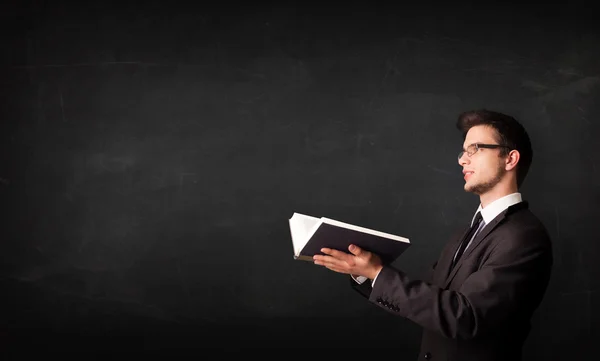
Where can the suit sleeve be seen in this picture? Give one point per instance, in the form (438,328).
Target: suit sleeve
(363,289)
(512,280)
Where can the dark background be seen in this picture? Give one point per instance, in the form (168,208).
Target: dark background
(152,153)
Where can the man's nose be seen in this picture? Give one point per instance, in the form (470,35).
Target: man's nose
(463,159)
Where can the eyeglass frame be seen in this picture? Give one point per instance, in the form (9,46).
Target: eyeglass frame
(479,146)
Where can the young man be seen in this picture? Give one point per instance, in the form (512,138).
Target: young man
(481,293)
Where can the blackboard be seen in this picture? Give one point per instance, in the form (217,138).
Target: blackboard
(152,154)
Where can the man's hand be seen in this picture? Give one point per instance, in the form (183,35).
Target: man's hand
(358,263)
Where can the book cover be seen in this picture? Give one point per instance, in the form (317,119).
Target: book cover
(310,234)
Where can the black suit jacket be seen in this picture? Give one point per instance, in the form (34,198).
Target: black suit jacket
(481,309)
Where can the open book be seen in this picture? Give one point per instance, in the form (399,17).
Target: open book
(310,234)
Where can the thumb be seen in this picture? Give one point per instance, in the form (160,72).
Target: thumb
(355,250)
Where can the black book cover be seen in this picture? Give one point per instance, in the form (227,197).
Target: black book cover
(340,238)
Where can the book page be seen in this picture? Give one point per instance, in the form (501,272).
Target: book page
(301,228)
(365,230)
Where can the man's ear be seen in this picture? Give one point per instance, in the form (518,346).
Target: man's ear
(512,159)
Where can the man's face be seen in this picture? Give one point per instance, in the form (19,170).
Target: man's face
(485,168)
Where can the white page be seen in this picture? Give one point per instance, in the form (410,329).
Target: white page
(365,230)
(301,228)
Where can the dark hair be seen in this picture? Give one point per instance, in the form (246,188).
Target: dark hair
(508,132)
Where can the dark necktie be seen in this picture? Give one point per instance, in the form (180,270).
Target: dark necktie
(467,238)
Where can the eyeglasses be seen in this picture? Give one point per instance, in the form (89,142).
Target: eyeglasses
(473,148)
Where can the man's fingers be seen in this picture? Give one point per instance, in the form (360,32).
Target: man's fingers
(333,252)
(340,256)
(326,261)
(332,263)
(355,250)
(335,268)
(338,270)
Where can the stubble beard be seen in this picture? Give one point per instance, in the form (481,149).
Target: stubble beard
(484,187)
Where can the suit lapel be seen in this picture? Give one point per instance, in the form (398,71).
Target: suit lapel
(476,241)
(443,275)
(443,266)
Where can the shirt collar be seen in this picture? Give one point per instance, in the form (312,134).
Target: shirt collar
(498,206)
